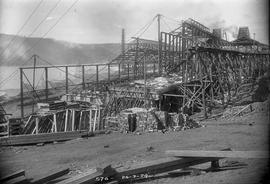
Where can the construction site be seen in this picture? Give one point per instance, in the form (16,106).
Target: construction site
(189,107)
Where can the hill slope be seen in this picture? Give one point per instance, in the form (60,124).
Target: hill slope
(56,52)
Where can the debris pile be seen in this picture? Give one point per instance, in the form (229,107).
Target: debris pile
(143,120)
(234,111)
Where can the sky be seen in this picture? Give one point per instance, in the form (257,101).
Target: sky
(101,21)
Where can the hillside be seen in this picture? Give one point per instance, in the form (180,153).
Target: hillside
(55,51)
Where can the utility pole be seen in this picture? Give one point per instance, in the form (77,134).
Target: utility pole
(123,43)
(21,86)
(34,78)
(159,45)
(144,76)
(123,50)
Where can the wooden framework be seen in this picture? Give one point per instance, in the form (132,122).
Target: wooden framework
(212,69)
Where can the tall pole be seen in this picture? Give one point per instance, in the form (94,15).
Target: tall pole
(83,79)
(46,84)
(159,45)
(123,43)
(123,49)
(66,81)
(144,76)
(34,78)
(21,83)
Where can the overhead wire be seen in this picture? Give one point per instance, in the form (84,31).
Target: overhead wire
(59,68)
(166,24)
(141,31)
(171,19)
(144,28)
(4,81)
(36,28)
(27,20)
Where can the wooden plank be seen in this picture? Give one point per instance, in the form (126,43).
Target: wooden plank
(13,175)
(66,120)
(149,168)
(18,180)
(51,176)
(218,154)
(73,120)
(88,177)
(163,165)
(40,138)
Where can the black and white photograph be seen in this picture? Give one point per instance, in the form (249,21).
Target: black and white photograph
(134,91)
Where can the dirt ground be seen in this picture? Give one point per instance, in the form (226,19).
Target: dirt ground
(248,132)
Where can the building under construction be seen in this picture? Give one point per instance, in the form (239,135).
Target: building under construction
(190,69)
(188,78)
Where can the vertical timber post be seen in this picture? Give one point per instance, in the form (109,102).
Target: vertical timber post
(46,85)
(37,124)
(128,70)
(159,46)
(119,71)
(21,86)
(123,44)
(96,75)
(144,76)
(135,70)
(109,73)
(66,82)
(83,78)
(34,79)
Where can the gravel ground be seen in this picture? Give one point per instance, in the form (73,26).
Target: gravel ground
(248,132)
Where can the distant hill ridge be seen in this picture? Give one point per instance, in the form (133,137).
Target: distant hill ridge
(55,51)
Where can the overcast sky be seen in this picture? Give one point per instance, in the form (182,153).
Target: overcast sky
(101,21)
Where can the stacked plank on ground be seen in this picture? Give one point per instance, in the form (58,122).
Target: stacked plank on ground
(12,176)
(3,122)
(147,169)
(15,126)
(57,105)
(40,138)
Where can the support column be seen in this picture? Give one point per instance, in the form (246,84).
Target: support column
(66,80)
(123,44)
(34,80)
(37,125)
(46,85)
(66,120)
(73,120)
(203,99)
(128,70)
(135,69)
(119,71)
(21,86)
(83,78)
(90,120)
(159,45)
(54,127)
(97,74)
(109,73)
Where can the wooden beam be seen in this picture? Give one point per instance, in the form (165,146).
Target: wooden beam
(73,120)
(66,120)
(29,139)
(51,176)
(18,180)
(37,125)
(90,120)
(88,177)
(13,175)
(218,154)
